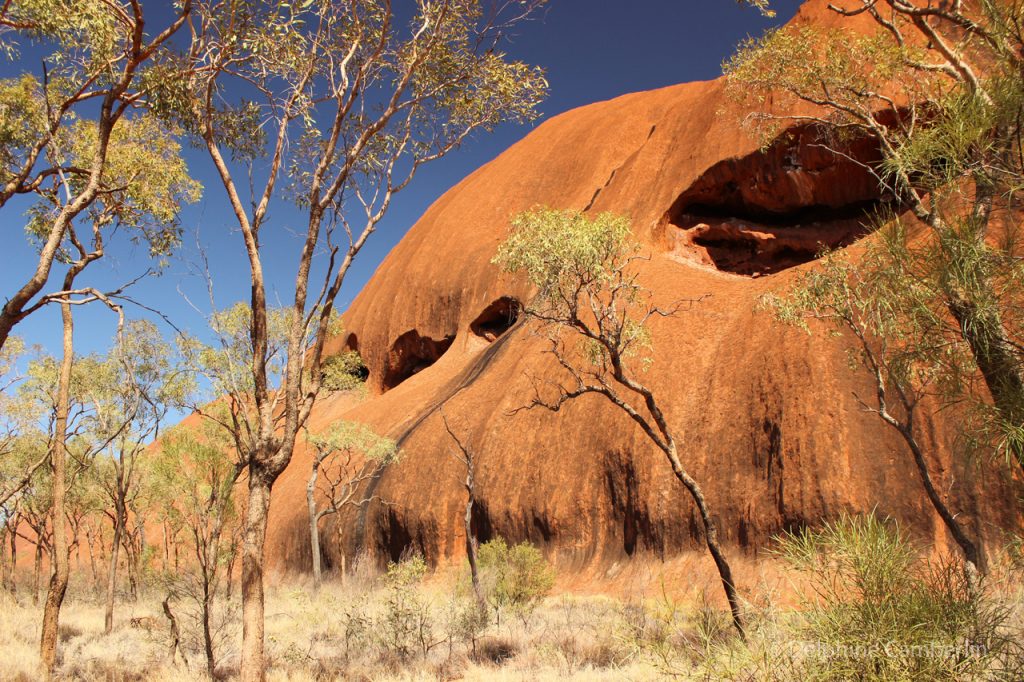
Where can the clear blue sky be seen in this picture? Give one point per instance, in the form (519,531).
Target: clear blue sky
(592,50)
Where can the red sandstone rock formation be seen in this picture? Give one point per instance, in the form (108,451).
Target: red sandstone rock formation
(768,421)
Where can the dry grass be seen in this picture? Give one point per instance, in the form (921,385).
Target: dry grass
(335,633)
(346,632)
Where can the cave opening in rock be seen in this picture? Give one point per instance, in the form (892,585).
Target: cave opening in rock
(781,206)
(497,318)
(412,353)
(362,373)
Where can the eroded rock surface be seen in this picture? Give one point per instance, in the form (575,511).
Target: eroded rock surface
(766,413)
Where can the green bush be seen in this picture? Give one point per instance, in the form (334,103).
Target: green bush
(516,577)
(877,611)
(405,626)
(344,372)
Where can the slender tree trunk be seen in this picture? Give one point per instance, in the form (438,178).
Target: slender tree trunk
(4,572)
(108,618)
(89,541)
(973,553)
(209,560)
(130,564)
(211,663)
(471,544)
(474,571)
(994,356)
(175,632)
(999,363)
(230,571)
(37,572)
(140,558)
(59,576)
(710,539)
(167,548)
(13,584)
(314,531)
(103,547)
(252,667)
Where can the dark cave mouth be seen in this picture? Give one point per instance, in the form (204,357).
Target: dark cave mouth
(735,243)
(497,318)
(781,206)
(413,352)
(410,354)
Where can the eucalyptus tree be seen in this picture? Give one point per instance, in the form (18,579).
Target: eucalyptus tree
(23,449)
(31,410)
(93,529)
(85,499)
(86,179)
(467,457)
(152,183)
(71,144)
(59,131)
(132,393)
(896,351)
(345,457)
(34,506)
(939,88)
(193,479)
(10,519)
(18,422)
(333,106)
(23,455)
(57,389)
(585,274)
(18,460)
(23,474)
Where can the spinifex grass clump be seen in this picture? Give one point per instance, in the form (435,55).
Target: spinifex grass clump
(875,610)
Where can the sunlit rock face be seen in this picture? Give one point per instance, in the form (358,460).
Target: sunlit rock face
(766,414)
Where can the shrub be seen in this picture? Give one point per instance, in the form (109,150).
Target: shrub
(465,620)
(405,626)
(406,573)
(516,577)
(355,627)
(878,611)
